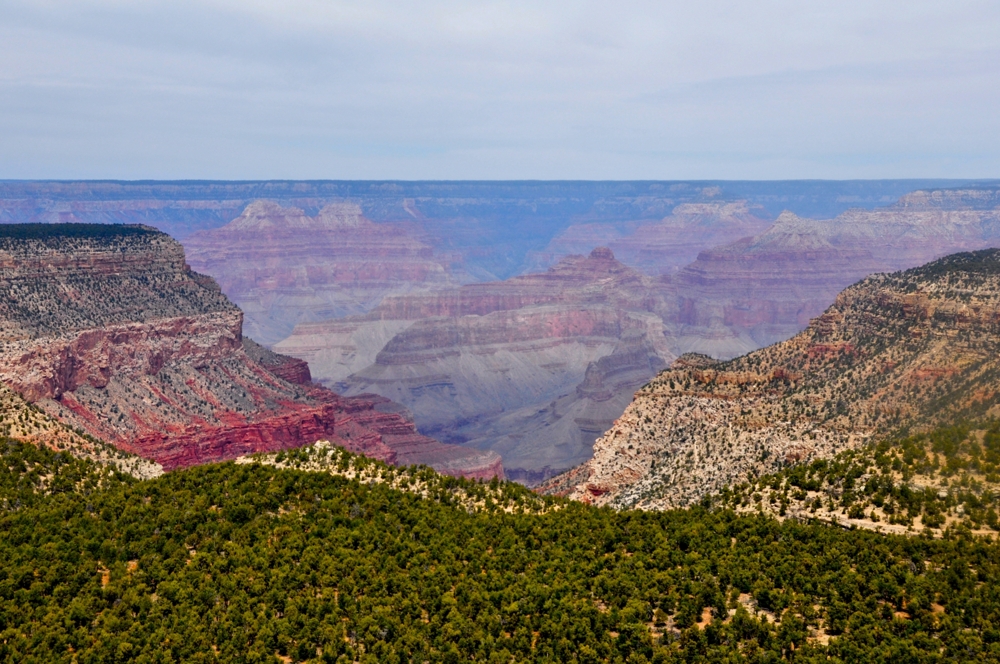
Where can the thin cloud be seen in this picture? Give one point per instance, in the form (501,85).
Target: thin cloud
(315,89)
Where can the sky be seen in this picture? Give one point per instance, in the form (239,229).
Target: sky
(323,89)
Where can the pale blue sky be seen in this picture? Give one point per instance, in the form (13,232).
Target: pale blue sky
(468,90)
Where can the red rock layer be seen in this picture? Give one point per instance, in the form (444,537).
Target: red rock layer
(294,427)
(50,366)
(294,371)
(412,448)
(287,368)
(191,412)
(575,280)
(114,334)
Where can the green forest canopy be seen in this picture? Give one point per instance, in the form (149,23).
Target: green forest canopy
(252,563)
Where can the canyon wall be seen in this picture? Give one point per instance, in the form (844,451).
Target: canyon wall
(484,229)
(533,367)
(282,266)
(502,365)
(108,330)
(913,348)
(763,289)
(664,246)
(522,367)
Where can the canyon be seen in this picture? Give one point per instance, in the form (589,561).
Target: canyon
(476,309)
(534,367)
(107,330)
(914,348)
(453,359)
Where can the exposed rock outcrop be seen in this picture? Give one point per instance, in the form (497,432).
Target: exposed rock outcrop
(108,330)
(517,366)
(763,289)
(21,420)
(549,437)
(282,266)
(911,348)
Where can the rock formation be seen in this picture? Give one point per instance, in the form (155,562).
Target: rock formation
(534,367)
(283,267)
(664,246)
(547,437)
(107,329)
(21,420)
(911,348)
(760,290)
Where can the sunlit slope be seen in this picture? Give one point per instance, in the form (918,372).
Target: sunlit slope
(913,348)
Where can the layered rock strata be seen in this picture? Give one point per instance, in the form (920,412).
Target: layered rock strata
(518,367)
(664,246)
(912,348)
(107,329)
(548,437)
(282,266)
(763,289)
(21,420)
(489,226)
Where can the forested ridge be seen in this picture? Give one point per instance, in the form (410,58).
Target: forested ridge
(255,563)
(948,477)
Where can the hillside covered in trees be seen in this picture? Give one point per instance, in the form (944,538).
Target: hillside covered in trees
(351,560)
(924,482)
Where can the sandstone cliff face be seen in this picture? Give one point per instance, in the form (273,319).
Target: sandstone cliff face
(914,347)
(495,366)
(283,267)
(764,289)
(109,331)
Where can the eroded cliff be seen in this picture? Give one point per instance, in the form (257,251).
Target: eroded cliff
(664,246)
(534,367)
(910,348)
(282,266)
(763,289)
(107,329)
